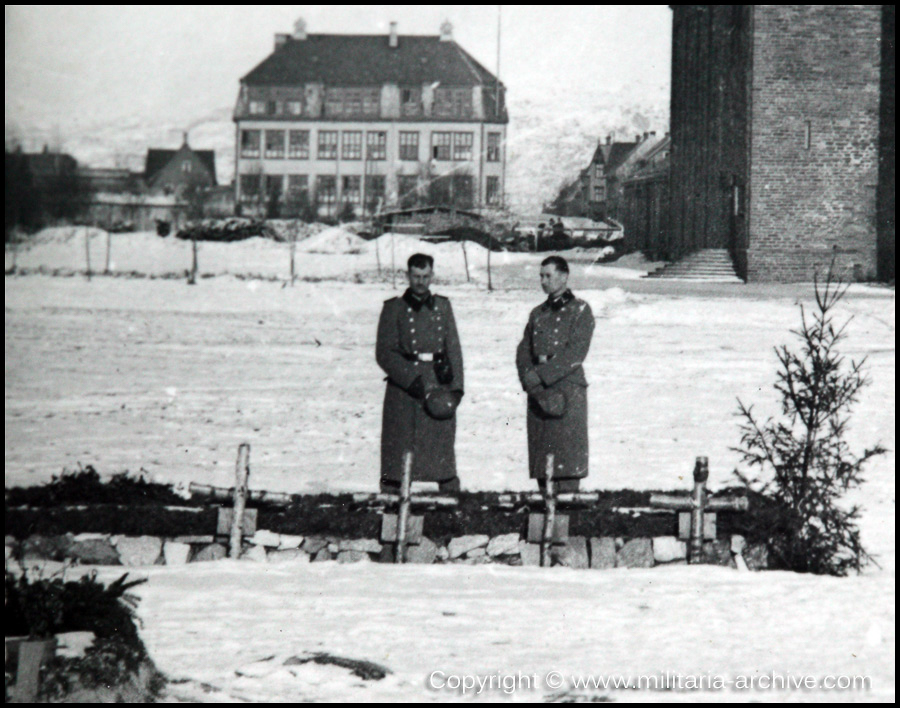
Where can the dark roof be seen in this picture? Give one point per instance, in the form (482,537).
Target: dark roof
(368,60)
(611,155)
(157,159)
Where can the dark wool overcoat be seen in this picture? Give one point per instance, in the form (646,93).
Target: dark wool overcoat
(407,329)
(556,342)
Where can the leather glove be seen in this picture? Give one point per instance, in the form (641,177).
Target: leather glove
(417,388)
(443,369)
(458,395)
(531,381)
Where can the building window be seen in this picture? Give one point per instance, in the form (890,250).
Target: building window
(294,108)
(275,144)
(250,187)
(375,190)
(453,102)
(493,147)
(274,186)
(598,171)
(326,191)
(298,144)
(598,194)
(328,140)
(376,145)
(351,147)
(350,189)
(492,191)
(411,101)
(298,184)
(334,102)
(371,102)
(409,146)
(462,146)
(250,140)
(257,108)
(440,145)
(186,166)
(408,188)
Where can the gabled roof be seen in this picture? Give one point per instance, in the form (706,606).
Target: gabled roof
(368,60)
(157,159)
(611,155)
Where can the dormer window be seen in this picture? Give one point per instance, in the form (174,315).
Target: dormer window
(257,108)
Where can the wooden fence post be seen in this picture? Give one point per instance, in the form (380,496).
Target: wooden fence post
(403,515)
(698,508)
(465,260)
(87,251)
(192,279)
(549,513)
(293,252)
(108,249)
(241,473)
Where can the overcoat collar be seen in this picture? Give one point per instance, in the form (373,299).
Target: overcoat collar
(416,303)
(558,303)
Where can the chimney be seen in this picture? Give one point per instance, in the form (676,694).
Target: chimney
(280,39)
(637,138)
(609,138)
(300,29)
(184,136)
(652,133)
(392,40)
(446,31)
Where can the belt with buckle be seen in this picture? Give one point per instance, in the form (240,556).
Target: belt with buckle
(421,356)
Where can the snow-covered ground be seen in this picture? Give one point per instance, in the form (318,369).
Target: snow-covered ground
(158,375)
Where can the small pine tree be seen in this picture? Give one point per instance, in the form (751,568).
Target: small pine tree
(807,461)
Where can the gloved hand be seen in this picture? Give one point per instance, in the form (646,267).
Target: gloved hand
(458,395)
(443,369)
(531,381)
(417,388)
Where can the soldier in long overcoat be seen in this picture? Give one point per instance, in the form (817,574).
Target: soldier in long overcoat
(549,359)
(418,348)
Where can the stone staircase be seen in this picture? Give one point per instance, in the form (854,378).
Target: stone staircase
(709,264)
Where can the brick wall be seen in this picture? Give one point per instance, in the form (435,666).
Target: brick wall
(814,140)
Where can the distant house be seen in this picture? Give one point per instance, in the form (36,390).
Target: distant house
(177,171)
(109,180)
(367,122)
(603,189)
(645,181)
(40,188)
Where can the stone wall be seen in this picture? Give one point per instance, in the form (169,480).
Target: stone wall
(51,553)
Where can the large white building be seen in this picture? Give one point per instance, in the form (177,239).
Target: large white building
(370,122)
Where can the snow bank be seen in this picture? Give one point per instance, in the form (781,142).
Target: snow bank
(334,240)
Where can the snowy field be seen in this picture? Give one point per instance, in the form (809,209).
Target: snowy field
(156,375)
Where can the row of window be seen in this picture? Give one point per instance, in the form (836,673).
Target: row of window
(294,145)
(410,188)
(366,102)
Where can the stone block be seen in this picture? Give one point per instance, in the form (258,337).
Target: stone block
(442,553)
(42,567)
(223,523)
(268,539)
(757,556)
(636,553)
(718,552)
(314,545)
(288,542)
(138,550)
(176,553)
(424,552)
(94,552)
(212,552)
(353,557)
(49,547)
(476,553)
(288,555)
(603,553)
(414,528)
(536,528)
(505,544)
(323,555)
(254,553)
(530,553)
(366,545)
(574,554)
(668,548)
(464,544)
